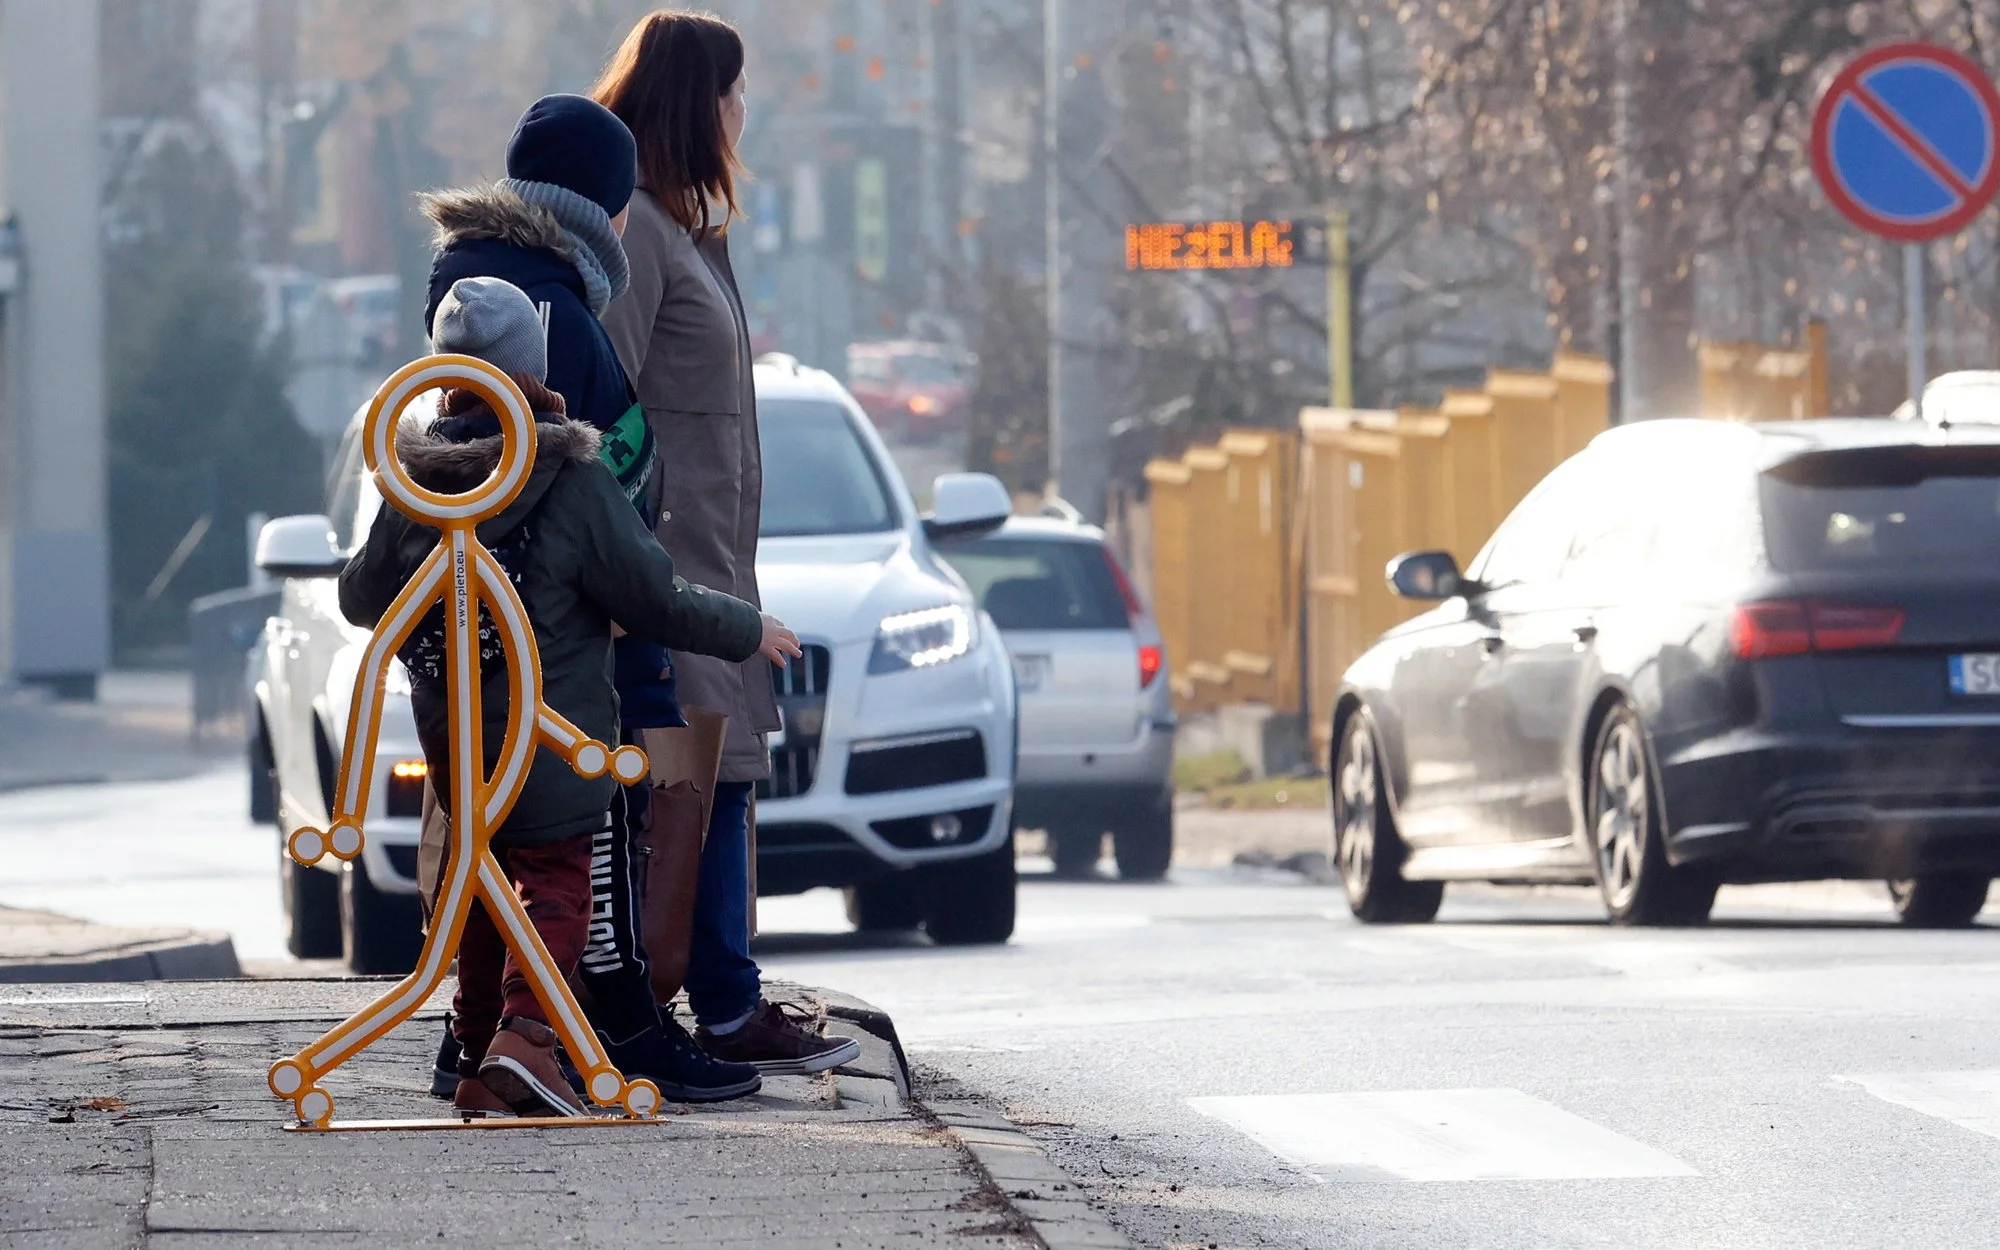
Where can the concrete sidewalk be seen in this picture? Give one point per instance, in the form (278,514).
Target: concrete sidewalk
(137,1114)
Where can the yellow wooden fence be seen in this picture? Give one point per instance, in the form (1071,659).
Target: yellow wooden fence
(1224,579)
(1269,549)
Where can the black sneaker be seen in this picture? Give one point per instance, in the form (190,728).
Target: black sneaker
(444,1075)
(668,1057)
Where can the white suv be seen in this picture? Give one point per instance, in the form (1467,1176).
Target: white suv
(893,777)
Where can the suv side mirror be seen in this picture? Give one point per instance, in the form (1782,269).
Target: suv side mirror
(299,546)
(965,505)
(1428,576)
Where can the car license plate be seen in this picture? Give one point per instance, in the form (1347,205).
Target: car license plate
(1031,672)
(1975,674)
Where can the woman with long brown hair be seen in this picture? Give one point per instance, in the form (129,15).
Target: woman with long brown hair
(677,83)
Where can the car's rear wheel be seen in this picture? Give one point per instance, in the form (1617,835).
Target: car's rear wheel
(1639,886)
(1365,843)
(885,905)
(381,933)
(1144,844)
(1942,901)
(970,902)
(312,908)
(1076,852)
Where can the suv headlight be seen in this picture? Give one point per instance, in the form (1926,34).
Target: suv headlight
(923,639)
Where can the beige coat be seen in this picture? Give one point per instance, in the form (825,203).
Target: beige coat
(681,336)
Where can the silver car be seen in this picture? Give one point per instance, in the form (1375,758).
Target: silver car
(1097,721)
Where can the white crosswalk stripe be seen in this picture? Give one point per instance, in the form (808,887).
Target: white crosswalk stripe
(1437,1135)
(1968,1099)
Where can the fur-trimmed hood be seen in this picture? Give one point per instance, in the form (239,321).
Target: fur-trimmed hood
(490,212)
(439,464)
(489,232)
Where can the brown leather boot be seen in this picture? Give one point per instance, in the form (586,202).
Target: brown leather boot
(473,1098)
(520,1069)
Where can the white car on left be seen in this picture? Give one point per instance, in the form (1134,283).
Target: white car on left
(892,779)
(301,682)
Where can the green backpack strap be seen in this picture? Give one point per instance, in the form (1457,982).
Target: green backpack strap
(627,450)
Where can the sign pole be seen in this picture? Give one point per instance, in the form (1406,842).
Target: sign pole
(1906,144)
(1339,312)
(1913,313)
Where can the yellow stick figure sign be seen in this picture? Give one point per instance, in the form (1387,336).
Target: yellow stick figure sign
(464,576)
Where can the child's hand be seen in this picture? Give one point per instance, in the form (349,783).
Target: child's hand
(779,642)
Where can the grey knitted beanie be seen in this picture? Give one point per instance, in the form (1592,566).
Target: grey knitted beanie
(494,321)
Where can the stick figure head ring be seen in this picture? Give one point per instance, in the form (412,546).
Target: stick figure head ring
(517,441)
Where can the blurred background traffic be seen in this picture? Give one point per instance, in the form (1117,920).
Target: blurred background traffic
(1205,180)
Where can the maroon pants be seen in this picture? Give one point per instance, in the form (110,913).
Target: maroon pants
(554,884)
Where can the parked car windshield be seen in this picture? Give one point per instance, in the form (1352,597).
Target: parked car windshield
(818,476)
(1025,584)
(1885,511)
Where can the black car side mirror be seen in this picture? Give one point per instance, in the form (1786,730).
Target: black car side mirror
(1427,575)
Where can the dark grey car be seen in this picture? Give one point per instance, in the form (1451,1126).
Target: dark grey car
(1696,654)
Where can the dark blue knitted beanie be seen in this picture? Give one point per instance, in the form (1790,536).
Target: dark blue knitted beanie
(574,142)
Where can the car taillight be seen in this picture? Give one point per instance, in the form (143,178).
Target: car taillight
(1151,660)
(1854,628)
(1763,630)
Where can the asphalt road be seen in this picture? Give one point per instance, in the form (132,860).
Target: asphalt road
(1229,1060)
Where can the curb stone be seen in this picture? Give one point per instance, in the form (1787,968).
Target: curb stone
(1055,1208)
(876,1023)
(880,1078)
(1051,1206)
(196,957)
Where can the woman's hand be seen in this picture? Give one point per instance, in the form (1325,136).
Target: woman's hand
(779,642)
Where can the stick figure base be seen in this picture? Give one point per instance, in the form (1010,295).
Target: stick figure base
(456,1123)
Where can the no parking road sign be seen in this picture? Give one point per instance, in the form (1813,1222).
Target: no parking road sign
(1904,141)
(1904,144)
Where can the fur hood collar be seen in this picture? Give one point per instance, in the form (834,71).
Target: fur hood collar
(490,212)
(439,464)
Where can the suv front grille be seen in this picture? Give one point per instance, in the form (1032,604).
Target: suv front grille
(801,688)
(914,763)
(806,676)
(796,839)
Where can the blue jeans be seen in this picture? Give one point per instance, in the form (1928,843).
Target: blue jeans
(722,981)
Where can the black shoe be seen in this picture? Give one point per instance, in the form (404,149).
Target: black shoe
(444,1076)
(668,1057)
